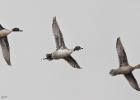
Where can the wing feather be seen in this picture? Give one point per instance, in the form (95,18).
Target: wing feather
(121,53)
(58,35)
(132,81)
(5,49)
(72,62)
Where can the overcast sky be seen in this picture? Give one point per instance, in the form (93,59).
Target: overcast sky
(92,24)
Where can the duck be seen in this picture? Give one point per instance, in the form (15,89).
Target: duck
(62,52)
(124,67)
(4,42)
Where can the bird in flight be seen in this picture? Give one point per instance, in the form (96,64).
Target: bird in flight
(62,52)
(124,67)
(4,42)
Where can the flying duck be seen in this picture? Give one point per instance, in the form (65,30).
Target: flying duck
(124,67)
(4,42)
(62,52)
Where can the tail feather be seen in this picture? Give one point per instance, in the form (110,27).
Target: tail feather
(137,66)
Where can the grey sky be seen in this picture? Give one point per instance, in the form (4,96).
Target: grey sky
(92,24)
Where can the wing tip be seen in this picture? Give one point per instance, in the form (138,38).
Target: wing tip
(9,64)
(80,68)
(118,38)
(138,89)
(118,41)
(54,19)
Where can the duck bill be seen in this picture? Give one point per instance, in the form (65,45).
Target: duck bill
(44,58)
(20,30)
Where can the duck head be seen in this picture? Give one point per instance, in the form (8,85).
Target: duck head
(16,30)
(113,72)
(77,48)
(48,57)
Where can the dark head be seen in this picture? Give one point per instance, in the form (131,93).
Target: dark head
(16,30)
(112,72)
(48,57)
(77,48)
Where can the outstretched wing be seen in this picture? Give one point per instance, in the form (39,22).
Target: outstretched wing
(121,53)
(72,62)
(58,35)
(132,81)
(5,49)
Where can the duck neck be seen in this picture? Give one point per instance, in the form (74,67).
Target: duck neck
(8,31)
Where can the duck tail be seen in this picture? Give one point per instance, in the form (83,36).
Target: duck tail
(137,66)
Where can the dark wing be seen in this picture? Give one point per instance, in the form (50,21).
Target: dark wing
(72,62)
(121,53)
(58,35)
(5,49)
(1,27)
(132,81)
